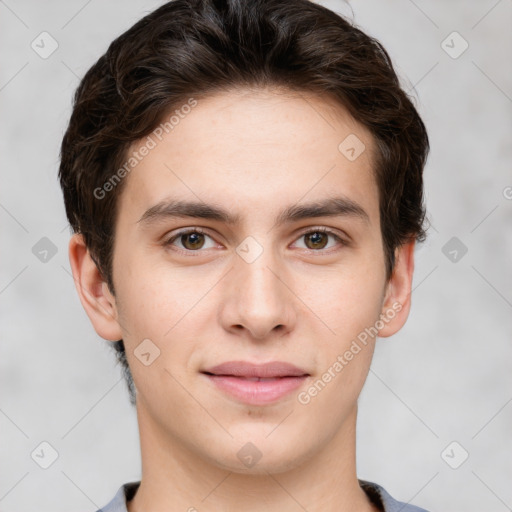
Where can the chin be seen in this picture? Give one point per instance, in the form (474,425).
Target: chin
(260,456)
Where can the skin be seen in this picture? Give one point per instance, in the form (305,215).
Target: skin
(254,152)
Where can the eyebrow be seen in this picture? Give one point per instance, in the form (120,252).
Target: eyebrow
(331,207)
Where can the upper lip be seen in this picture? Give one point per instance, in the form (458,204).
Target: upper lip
(266,370)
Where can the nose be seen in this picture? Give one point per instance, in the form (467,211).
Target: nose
(257,299)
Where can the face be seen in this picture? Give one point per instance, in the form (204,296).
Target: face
(279,259)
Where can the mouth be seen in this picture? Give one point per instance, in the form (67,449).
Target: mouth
(253,379)
(256,384)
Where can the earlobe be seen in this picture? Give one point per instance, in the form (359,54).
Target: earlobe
(96,298)
(397,300)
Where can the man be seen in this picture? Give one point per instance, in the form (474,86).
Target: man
(244,179)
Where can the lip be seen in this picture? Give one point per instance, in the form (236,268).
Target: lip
(264,371)
(241,380)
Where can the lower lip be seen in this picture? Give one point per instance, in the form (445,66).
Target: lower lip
(257,392)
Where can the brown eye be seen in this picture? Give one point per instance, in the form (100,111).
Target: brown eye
(316,240)
(319,239)
(191,240)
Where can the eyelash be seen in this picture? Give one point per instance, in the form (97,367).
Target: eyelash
(319,229)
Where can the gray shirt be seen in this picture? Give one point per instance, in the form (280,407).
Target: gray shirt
(375,492)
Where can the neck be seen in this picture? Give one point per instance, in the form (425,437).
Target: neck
(177,478)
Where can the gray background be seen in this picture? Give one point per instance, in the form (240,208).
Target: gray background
(445,377)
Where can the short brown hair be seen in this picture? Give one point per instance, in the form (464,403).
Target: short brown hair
(191,48)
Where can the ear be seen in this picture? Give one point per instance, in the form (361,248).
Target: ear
(397,298)
(96,298)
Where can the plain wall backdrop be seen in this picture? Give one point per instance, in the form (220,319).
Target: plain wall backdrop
(438,391)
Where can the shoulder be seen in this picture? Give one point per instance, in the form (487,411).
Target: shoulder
(382,498)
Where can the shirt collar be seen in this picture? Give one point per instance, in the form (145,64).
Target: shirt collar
(378,495)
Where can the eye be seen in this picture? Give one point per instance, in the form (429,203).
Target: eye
(191,240)
(317,239)
(194,239)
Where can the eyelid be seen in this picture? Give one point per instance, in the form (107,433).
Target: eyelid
(324,229)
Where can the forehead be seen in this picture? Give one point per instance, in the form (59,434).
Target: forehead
(254,149)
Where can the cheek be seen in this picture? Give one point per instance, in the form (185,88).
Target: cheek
(156,297)
(156,317)
(349,301)
(351,309)
(169,308)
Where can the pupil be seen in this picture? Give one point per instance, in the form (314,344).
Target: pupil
(196,240)
(316,239)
